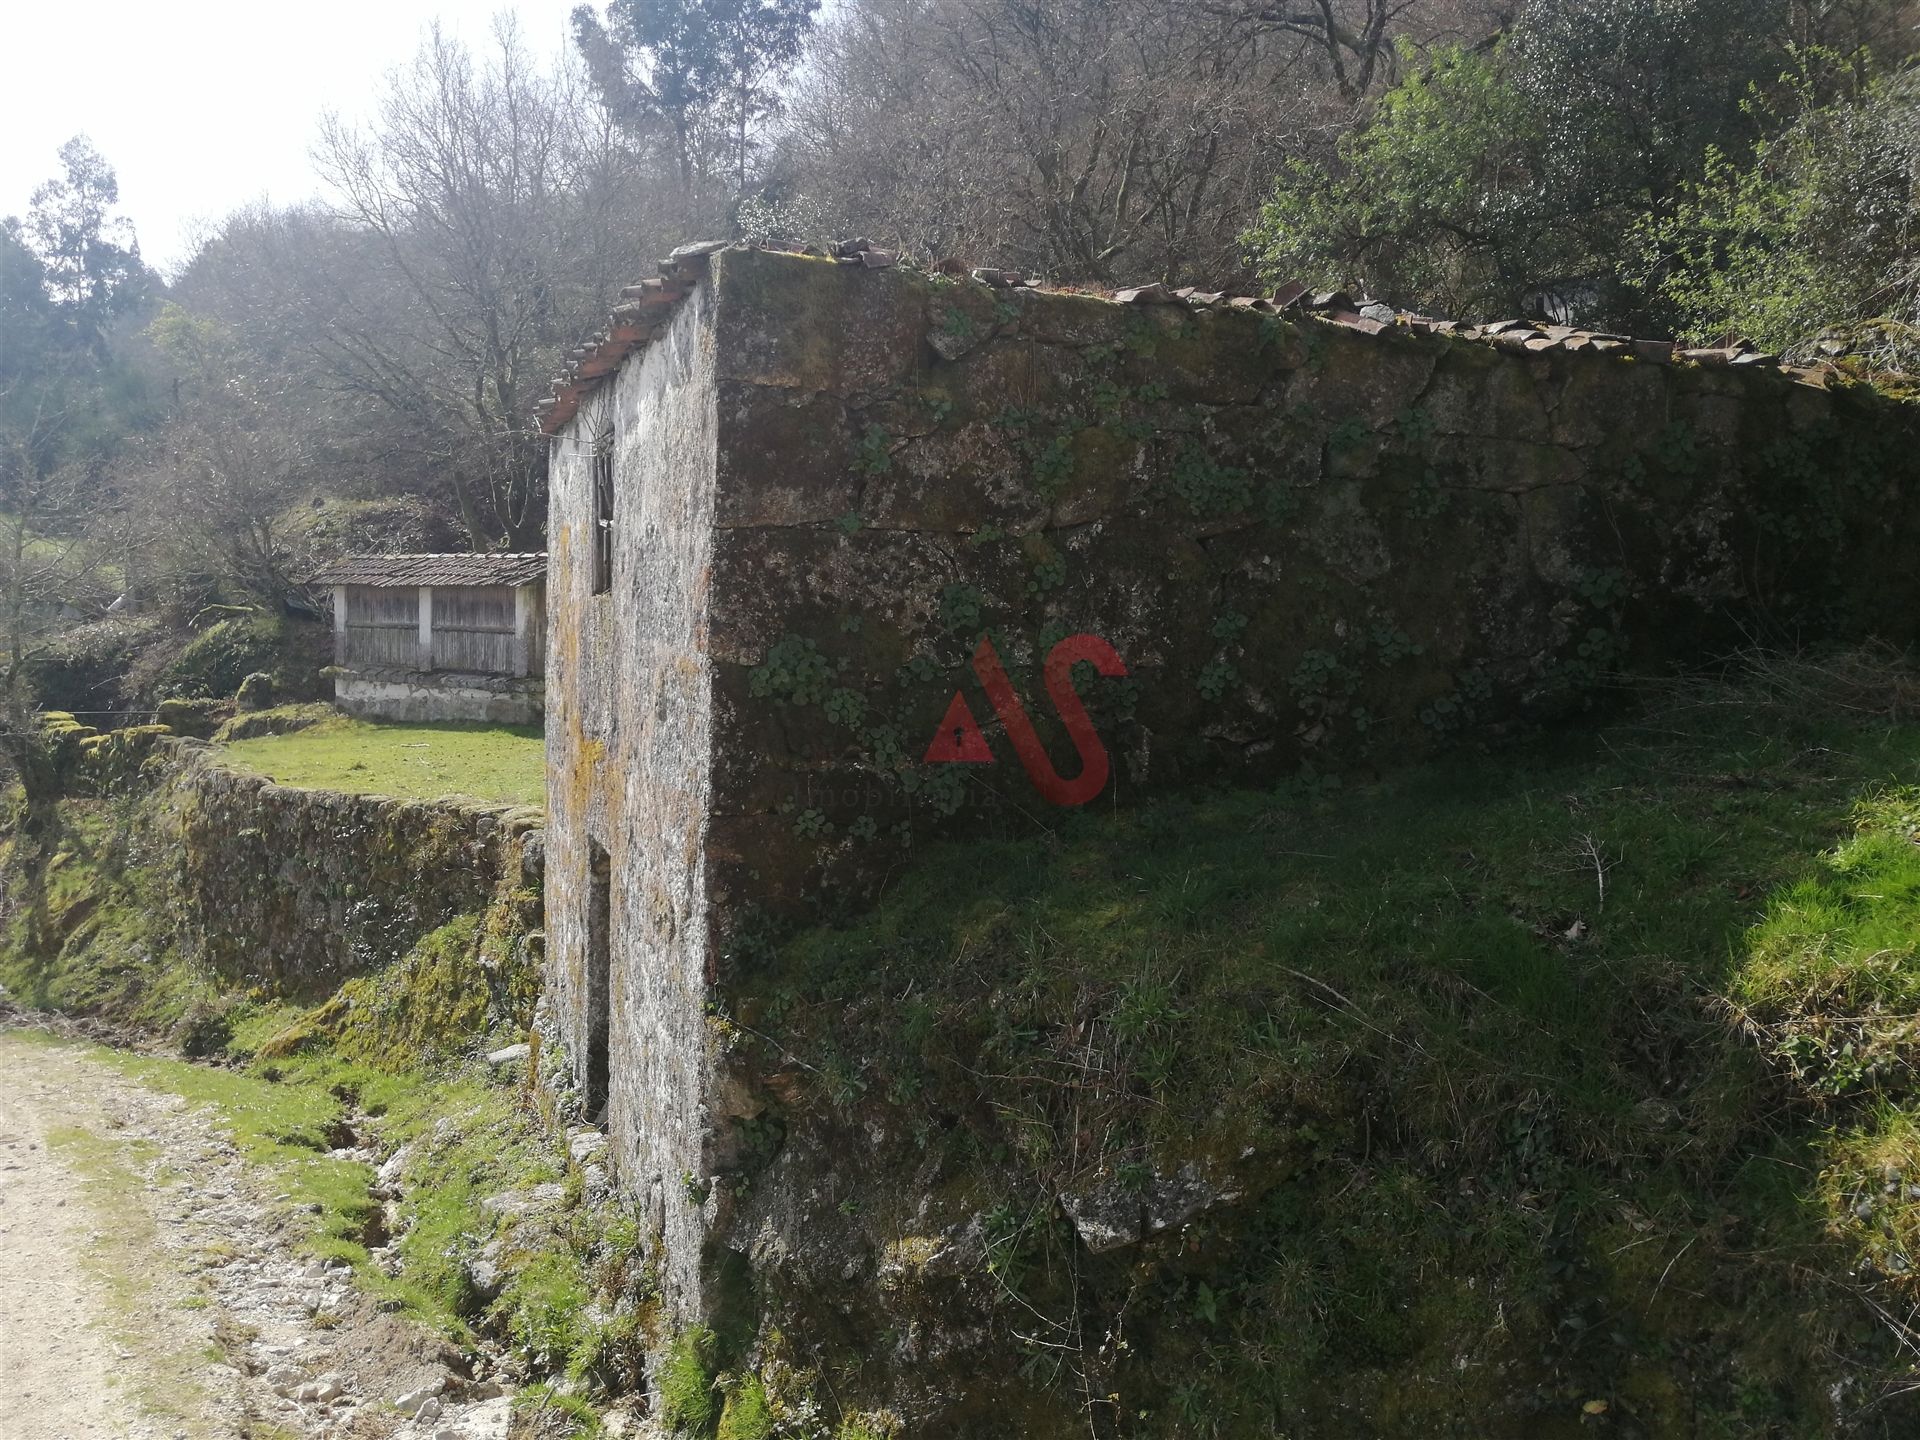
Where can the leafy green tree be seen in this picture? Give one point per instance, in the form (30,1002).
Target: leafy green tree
(89,258)
(1499,178)
(26,311)
(1435,201)
(1815,229)
(69,274)
(705,73)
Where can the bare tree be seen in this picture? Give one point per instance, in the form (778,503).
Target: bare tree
(1085,139)
(219,484)
(1354,40)
(475,215)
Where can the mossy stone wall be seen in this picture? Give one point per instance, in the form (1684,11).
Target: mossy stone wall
(297,890)
(1316,551)
(628,749)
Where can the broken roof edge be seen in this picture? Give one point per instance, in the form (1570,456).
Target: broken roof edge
(646,308)
(642,312)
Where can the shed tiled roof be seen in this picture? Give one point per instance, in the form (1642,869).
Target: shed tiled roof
(492,569)
(645,309)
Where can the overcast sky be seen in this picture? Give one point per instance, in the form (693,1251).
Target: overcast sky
(204,105)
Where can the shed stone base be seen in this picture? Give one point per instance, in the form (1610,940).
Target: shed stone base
(428,695)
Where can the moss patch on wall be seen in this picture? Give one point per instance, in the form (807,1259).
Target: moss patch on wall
(1316,551)
(85,927)
(301,889)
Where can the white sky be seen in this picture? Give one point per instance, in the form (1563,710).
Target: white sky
(204,105)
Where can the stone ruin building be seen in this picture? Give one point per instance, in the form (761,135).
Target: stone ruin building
(846,555)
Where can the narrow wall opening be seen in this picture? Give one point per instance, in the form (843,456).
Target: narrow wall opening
(603,511)
(599,1006)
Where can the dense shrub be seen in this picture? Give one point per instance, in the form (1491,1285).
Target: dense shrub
(82,669)
(224,655)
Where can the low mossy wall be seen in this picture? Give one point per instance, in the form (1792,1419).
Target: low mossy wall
(297,889)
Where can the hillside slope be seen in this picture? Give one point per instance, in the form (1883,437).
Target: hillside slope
(1515,1095)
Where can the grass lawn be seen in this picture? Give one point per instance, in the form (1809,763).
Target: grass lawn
(416,762)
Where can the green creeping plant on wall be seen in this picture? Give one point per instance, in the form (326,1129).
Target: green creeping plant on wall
(960,607)
(794,673)
(1349,434)
(812,825)
(1415,426)
(920,670)
(1208,487)
(875,453)
(1394,644)
(1677,449)
(1216,676)
(844,707)
(1049,573)
(1053,465)
(1278,502)
(1428,499)
(1447,713)
(941,786)
(885,747)
(1602,589)
(1312,678)
(1143,339)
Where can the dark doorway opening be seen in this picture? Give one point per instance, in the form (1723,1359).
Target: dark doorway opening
(599,1006)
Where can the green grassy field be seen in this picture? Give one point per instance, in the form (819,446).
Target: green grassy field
(419,762)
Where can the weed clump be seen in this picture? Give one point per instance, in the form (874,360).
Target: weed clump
(688,1402)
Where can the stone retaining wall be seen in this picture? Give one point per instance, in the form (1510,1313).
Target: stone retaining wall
(299,889)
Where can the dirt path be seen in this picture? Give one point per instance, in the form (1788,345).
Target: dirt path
(150,1285)
(55,1366)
